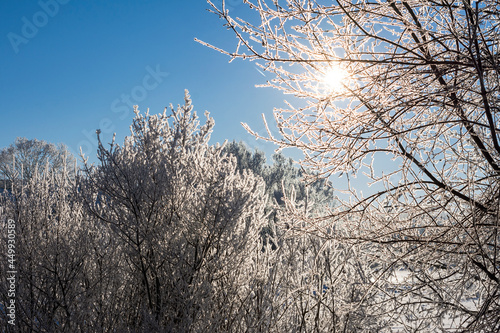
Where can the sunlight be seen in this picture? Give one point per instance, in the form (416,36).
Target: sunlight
(334,78)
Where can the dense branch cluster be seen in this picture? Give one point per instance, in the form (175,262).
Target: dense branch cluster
(423,89)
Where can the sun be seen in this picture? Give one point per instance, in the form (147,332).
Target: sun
(334,79)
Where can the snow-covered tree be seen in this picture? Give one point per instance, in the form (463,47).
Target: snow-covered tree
(23,158)
(404,95)
(304,283)
(279,176)
(52,250)
(186,221)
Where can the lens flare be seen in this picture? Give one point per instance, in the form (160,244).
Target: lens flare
(334,79)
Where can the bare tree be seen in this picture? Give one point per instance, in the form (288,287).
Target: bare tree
(23,158)
(419,85)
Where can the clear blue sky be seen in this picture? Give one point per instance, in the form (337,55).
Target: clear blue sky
(69,67)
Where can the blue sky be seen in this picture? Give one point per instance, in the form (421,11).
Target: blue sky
(69,67)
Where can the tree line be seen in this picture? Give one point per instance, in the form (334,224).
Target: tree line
(166,233)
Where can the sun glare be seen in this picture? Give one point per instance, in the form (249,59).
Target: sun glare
(334,78)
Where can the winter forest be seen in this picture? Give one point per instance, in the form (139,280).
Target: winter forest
(170,233)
